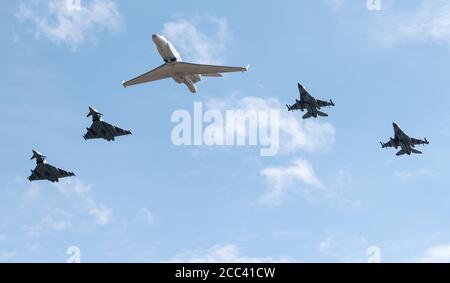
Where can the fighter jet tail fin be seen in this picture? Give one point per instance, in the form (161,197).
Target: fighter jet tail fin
(94,113)
(320,113)
(37,155)
(416,151)
(401,152)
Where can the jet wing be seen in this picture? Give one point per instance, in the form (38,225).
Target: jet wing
(183,67)
(63,173)
(160,73)
(121,132)
(297,106)
(90,134)
(391,143)
(302,90)
(418,142)
(35,177)
(322,103)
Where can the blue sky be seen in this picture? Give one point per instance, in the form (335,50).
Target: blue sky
(329,195)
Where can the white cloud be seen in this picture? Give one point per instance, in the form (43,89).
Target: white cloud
(7,256)
(437,254)
(340,246)
(406,176)
(148,215)
(101,213)
(280,179)
(228,253)
(295,133)
(336,5)
(70,21)
(429,22)
(196,44)
(57,220)
(79,206)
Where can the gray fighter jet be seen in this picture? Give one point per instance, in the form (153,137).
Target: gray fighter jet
(403,141)
(45,171)
(309,103)
(102,130)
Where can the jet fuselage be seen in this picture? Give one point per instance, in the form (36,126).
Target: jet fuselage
(170,55)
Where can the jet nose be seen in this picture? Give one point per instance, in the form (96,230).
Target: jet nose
(157,38)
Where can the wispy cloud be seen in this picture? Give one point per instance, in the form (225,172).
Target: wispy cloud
(295,134)
(341,246)
(436,254)
(229,253)
(430,21)
(281,179)
(406,176)
(195,43)
(74,187)
(84,210)
(7,256)
(57,220)
(147,214)
(70,22)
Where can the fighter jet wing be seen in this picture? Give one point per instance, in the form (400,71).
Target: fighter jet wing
(199,69)
(302,90)
(62,173)
(390,143)
(296,106)
(418,142)
(121,132)
(160,73)
(35,177)
(322,103)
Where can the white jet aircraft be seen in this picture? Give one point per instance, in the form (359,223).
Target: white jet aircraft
(179,71)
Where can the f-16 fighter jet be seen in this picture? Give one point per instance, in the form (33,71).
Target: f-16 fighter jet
(102,130)
(309,103)
(45,171)
(403,141)
(181,72)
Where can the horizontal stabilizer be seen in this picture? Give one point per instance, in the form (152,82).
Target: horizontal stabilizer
(416,151)
(401,152)
(322,114)
(307,115)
